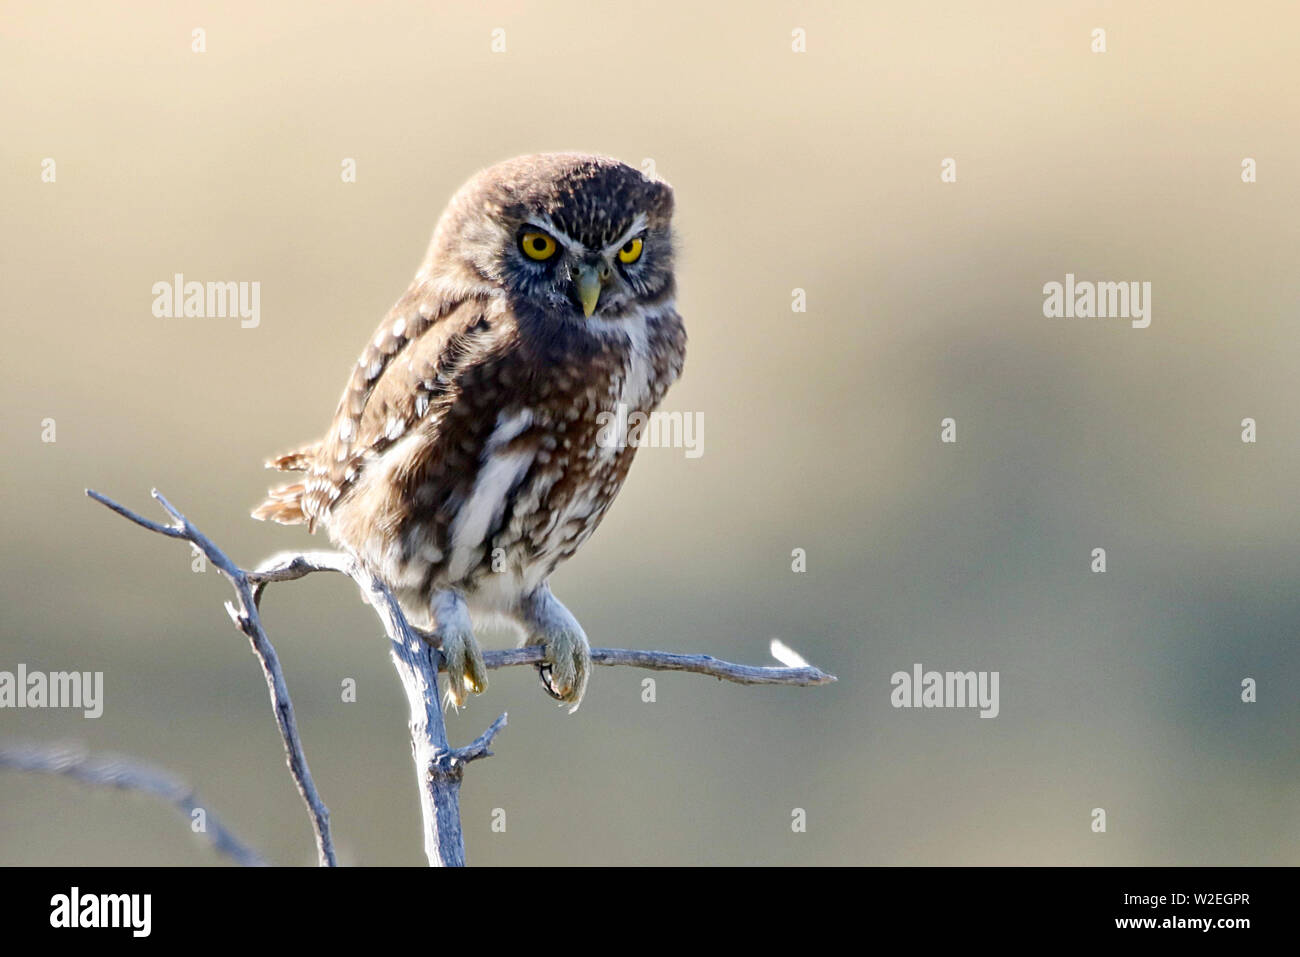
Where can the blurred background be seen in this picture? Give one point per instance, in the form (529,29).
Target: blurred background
(818,171)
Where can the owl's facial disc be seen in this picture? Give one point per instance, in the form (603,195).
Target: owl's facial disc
(567,238)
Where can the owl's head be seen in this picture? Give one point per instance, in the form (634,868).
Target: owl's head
(564,235)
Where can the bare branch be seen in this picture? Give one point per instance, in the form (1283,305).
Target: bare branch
(668,661)
(125,512)
(479,747)
(439,767)
(111,770)
(293,565)
(247,620)
(289,566)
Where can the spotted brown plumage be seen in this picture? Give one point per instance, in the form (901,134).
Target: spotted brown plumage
(468,455)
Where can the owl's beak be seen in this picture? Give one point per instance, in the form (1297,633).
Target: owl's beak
(589,282)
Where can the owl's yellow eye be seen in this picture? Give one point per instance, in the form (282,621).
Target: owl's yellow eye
(631,251)
(538,246)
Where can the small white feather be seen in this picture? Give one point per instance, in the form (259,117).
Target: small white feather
(787,655)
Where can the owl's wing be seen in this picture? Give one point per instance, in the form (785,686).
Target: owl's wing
(410,365)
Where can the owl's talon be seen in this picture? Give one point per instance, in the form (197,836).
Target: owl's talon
(453,635)
(567,666)
(566,663)
(466,671)
(544,673)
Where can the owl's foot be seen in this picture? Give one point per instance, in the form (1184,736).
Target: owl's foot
(454,635)
(466,671)
(567,665)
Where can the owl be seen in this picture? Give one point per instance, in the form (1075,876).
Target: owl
(471,452)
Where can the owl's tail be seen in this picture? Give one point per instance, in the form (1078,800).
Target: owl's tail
(284,504)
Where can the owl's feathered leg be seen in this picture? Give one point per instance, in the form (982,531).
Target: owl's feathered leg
(548,623)
(453,630)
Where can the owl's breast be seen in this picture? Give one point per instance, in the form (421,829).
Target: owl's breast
(505,488)
(552,485)
(559,475)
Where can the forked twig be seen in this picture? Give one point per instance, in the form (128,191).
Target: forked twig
(247,620)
